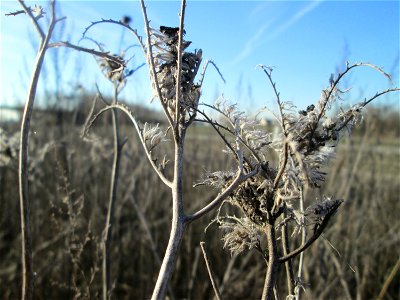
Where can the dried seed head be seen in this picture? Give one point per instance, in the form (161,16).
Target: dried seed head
(255,198)
(165,42)
(114,70)
(240,234)
(38,11)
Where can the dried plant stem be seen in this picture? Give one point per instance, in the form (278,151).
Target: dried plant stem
(282,166)
(129,113)
(317,232)
(27,272)
(151,63)
(193,273)
(303,241)
(240,178)
(341,276)
(120,23)
(228,273)
(273,263)
(288,264)
(105,55)
(210,272)
(389,279)
(178,113)
(178,224)
(217,128)
(146,228)
(28,11)
(107,233)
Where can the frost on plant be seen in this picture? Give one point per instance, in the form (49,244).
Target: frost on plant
(153,135)
(165,43)
(275,197)
(240,234)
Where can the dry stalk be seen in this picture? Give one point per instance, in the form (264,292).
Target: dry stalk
(210,272)
(389,280)
(27,269)
(107,232)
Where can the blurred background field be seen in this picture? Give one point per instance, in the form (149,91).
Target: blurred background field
(69,186)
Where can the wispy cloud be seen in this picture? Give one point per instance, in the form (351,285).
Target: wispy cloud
(259,36)
(251,43)
(258,9)
(294,19)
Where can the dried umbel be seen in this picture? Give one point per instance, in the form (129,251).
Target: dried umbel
(255,198)
(115,70)
(111,69)
(165,43)
(37,11)
(240,234)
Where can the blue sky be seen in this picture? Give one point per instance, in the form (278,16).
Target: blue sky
(305,41)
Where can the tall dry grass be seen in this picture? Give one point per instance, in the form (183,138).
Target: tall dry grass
(69,211)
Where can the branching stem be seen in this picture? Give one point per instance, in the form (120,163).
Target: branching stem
(127,111)
(272,268)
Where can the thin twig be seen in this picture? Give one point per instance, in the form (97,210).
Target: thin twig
(317,232)
(282,166)
(128,112)
(299,280)
(105,55)
(227,129)
(210,272)
(15,13)
(178,78)
(365,103)
(204,71)
(389,279)
(132,30)
(240,178)
(34,20)
(333,88)
(213,125)
(107,232)
(150,60)
(268,72)
(286,250)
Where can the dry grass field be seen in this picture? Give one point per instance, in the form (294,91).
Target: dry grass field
(69,187)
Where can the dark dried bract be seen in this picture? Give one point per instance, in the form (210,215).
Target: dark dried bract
(255,198)
(170,31)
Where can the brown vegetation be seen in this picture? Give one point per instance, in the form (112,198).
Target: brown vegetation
(69,186)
